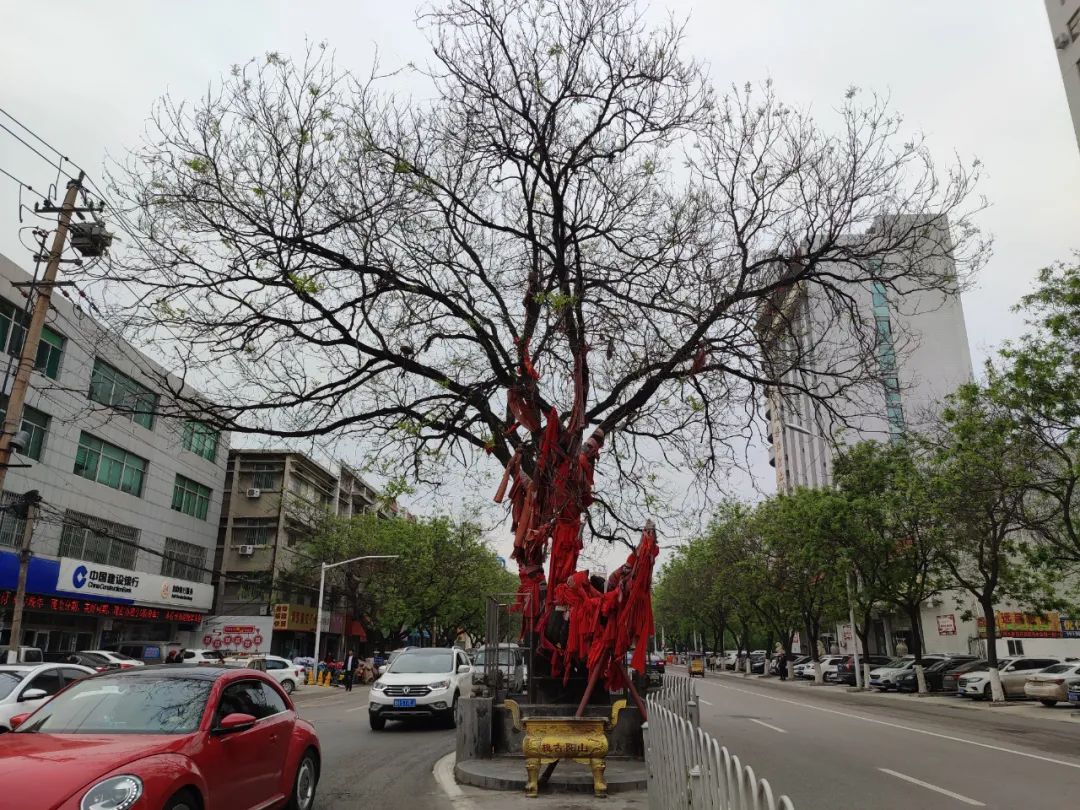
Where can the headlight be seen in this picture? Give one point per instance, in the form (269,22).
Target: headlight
(438,685)
(378,686)
(114,793)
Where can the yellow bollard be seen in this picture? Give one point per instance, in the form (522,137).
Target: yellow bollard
(311,677)
(326,678)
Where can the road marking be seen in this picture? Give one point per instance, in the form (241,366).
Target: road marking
(354,709)
(767,725)
(444,776)
(865,719)
(703,700)
(935,788)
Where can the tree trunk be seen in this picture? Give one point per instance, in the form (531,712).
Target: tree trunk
(914,617)
(996,692)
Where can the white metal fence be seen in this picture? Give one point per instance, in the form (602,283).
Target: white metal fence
(690,769)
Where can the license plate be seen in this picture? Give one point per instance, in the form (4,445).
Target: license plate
(404,703)
(1074,697)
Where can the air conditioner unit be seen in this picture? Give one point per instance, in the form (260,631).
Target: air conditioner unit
(264,610)
(245,551)
(254,493)
(1062,41)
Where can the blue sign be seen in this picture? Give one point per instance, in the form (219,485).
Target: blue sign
(43,576)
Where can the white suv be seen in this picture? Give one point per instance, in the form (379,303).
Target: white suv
(422,682)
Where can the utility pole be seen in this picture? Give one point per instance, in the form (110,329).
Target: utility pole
(28,355)
(17,399)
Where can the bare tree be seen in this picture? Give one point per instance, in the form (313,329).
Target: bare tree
(569,216)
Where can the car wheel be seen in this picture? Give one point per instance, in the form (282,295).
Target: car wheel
(377,723)
(307,777)
(451,717)
(987,694)
(1048,702)
(288,686)
(184,800)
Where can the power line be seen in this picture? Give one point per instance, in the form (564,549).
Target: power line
(27,186)
(57,164)
(36,136)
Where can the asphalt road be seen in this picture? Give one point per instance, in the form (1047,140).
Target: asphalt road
(389,769)
(826,748)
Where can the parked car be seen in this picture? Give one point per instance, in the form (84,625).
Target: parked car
(203,657)
(950,678)
(795,661)
(1073,693)
(291,676)
(25,687)
(908,680)
(884,678)
(98,663)
(806,668)
(757,662)
(120,660)
(829,666)
(422,682)
(508,659)
(164,737)
(845,670)
(1013,673)
(1051,685)
(149,652)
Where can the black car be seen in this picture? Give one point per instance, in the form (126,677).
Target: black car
(845,670)
(934,673)
(96,662)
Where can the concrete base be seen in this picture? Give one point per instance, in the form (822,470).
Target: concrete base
(508,773)
(474,721)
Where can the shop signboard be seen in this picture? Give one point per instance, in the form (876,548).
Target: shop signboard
(288,616)
(84,578)
(1070,628)
(249,634)
(946,625)
(1014,624)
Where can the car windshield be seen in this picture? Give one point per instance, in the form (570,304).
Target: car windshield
(121,656)
(123,705)
(506,657)
(421,662)
(895,663)
(9,679)
(1058,668)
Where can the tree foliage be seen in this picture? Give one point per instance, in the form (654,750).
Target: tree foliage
(441,580)
(569,193)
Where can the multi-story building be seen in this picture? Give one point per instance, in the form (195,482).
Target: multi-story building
(922,356)
(921,349)
(273,502)
(1065,31)
(125,536)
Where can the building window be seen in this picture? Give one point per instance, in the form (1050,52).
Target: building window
(200,439)
(1016,647)
(11,527)
(35,423)
(50,350)
(266,476)
(110,465)
(190,497)
(183,560)
(117,390)
(253,531)
(85,537)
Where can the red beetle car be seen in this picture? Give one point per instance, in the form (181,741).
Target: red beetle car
(162,738)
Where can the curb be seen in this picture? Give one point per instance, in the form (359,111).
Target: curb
(444,778)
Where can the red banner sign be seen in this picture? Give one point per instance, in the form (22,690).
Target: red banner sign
(108,610)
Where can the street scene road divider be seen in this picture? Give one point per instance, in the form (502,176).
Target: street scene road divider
(688,768)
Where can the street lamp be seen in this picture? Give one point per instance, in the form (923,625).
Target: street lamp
(322,586)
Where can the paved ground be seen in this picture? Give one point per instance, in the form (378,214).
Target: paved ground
(390,769)
(407,767)
(825,747)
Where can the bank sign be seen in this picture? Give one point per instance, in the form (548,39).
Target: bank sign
(103,581)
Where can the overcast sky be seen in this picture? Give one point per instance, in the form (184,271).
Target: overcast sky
(978,77)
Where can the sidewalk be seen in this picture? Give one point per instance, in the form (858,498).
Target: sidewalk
(464,797)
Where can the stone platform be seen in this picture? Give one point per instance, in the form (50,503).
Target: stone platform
(508,773)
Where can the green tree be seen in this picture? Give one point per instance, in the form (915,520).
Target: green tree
(980,472)
(441,579)
(801,536)
(893,542)
(1039,382)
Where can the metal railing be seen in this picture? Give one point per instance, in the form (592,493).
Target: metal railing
(678,694)
(688,768)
